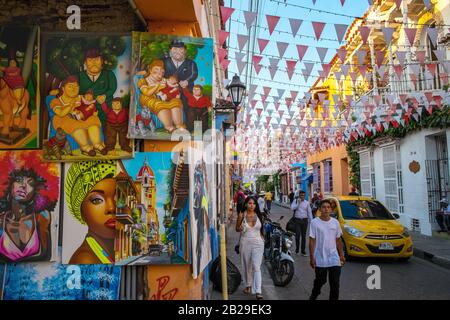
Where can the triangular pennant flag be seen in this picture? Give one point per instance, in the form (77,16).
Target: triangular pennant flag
(280,92)
(222,53)
(388,32)
(239,55)
(322,52)
(282,46)
(353,76)
(440,55)
(290,67)
(294,95)
(342,52)
(433,34)
(361,56)
(295,25)
(305,74)
(411,35)
(380,57)
(262,43)
(340,31)
(226,13)
(266,90)
(427,4)
(398,3)
(432,68)
(272,22)
(242,41)
(241,65)
(398,70)
(338,75)
(309,67)
(364,31)
(225,64)
(421,55)
(401,56)
(223,35)
(249,18)
(256,59)
(362,70)
(257,68)
(344,69)
(301,51)
(318,28)
(273,62)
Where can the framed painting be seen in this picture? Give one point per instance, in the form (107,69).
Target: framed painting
(171,85)
(29,207)
(86,96)
(19,87)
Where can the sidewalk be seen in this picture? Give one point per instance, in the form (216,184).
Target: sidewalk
(232,238)
(435,249)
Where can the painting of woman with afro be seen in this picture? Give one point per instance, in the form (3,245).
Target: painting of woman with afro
(28,196)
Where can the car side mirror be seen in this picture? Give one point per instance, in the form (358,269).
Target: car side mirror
(396,216)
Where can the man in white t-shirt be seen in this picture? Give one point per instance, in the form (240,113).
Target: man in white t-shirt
(326,253)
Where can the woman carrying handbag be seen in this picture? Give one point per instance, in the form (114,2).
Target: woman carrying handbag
(250,225)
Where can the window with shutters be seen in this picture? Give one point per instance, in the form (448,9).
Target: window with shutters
(399,180)
(316,176)
(372,175)
(364,163)
(328,176)
(390,178)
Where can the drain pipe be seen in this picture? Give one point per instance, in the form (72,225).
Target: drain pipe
(138,13)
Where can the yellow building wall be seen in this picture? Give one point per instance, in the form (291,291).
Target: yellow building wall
(173,282)
(340,171)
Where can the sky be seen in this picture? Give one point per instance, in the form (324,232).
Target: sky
(283,33)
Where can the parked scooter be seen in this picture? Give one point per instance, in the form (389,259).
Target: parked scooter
(277,250)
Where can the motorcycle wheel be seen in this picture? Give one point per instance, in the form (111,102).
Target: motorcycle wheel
(284,274)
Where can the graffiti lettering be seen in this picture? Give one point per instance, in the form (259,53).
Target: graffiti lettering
(160,295)
(74,280)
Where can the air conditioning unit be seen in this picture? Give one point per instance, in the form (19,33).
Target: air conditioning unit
(415,225)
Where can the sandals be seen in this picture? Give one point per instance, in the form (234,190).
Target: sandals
(100,148)
(88,152)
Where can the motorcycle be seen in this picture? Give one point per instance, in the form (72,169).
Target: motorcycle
(277,251)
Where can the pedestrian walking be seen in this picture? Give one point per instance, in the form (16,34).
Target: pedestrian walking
(302,216)
(326,253)
(268,199)
(319,194)
(261,202)
(250,225)
(315,202)
(239,199)
(291,196)
(443,216)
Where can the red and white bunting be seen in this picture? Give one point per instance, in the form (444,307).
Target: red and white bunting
(249,17)
(341,29)
(295,25)
(226,13)
(318,28)
(411,35)
(242,41)
(272,22)
(262,43)
(223,35)
(290,67)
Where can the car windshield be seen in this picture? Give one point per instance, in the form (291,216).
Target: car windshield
(364,210)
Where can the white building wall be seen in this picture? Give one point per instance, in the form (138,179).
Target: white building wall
(414,147)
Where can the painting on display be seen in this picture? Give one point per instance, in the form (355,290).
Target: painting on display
(29,207)
(89,220)
(19,87)
(200,206)
(159,182)
(2,278)
(55,281)
(86,95)
(171,85)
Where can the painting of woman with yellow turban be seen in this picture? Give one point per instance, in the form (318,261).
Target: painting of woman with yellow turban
(90,197)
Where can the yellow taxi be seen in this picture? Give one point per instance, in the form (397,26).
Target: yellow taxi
(369,229)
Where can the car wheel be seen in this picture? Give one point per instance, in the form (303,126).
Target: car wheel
(347,257)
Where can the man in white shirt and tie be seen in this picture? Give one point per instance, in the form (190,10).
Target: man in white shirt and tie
(302,214)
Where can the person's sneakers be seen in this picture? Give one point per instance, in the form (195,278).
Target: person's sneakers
(304,254)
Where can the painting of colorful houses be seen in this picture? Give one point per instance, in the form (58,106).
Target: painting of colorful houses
(152,210)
